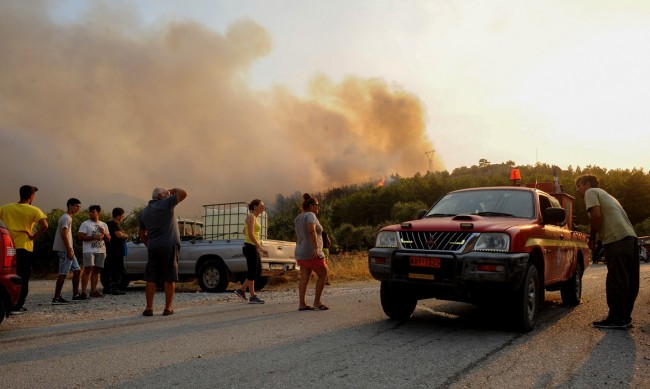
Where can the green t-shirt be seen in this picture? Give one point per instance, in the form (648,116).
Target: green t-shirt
(614,225)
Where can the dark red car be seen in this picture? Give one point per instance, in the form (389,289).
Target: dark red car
(9,281)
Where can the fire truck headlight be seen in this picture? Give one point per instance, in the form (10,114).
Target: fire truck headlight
(495,242)
(386,239)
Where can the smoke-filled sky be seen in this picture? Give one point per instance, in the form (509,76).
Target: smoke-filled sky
(235,100)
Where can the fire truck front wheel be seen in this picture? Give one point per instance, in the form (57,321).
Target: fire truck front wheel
(397,302)
(527,300)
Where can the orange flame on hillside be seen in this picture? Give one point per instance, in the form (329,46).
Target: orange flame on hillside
(381,183)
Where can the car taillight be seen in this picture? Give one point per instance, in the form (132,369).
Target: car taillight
(9,250)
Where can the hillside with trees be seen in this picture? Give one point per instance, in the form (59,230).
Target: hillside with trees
(352,215)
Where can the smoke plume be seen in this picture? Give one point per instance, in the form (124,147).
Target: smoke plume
(110,106)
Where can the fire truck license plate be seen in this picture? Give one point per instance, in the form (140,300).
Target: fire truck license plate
(424,262)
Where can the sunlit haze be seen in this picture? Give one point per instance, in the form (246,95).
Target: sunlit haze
(235,100)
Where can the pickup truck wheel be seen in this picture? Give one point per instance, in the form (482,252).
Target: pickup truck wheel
(571,290)
(213,277)
(527,300)
(260,282)
(396,302)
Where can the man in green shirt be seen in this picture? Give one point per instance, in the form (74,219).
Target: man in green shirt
(609,223)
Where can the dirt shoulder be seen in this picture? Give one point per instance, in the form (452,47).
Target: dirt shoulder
(41,312)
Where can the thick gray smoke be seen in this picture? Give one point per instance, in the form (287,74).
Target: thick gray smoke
(107,109)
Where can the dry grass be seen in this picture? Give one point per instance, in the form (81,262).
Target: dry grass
(343,267)
(349,267)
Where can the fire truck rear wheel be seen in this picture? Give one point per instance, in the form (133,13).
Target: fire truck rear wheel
(571,290)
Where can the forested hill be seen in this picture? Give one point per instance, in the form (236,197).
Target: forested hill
(353,214)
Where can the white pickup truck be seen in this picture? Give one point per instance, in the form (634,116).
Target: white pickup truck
(211,250)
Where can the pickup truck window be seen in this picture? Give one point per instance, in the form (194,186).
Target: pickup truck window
(510,203)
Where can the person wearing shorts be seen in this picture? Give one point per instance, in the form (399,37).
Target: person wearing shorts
(309,253)
(94,234)
(162,264)
(63,247)
(159,232)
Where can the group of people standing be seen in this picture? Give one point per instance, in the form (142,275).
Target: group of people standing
(103,253)
(104,246)
(105,242)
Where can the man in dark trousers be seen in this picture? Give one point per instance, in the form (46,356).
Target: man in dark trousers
(114,267)
(159,232)
(610,224)
(20,219)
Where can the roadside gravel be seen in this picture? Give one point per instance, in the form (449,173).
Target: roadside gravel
(41,312)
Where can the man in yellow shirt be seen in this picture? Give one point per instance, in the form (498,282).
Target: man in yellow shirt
(20,219)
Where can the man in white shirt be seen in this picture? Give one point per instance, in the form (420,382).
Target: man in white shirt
(93,233)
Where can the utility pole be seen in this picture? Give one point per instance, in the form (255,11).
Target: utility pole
(429,155)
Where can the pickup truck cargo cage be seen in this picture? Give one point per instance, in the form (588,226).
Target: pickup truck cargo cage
(225,221)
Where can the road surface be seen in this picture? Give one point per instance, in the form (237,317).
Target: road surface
(216,341)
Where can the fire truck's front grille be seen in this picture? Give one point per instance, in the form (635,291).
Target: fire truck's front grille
(442,241)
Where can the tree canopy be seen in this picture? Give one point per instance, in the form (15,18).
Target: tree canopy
(353,214)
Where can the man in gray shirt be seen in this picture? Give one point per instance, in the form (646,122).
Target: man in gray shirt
(159,232)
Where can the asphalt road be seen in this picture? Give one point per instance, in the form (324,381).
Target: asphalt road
(219,342)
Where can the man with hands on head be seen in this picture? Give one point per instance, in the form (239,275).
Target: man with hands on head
(159,232)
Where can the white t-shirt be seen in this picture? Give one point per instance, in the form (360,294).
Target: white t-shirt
(91,228)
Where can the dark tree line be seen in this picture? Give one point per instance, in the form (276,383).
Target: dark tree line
(353,214)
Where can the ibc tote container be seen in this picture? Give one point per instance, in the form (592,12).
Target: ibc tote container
(225,221)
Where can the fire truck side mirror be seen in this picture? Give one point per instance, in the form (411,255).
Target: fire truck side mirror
(554,216)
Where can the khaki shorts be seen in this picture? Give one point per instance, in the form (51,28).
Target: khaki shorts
(94,259)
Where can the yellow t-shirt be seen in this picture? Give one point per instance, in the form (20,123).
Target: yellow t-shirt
(257,230)
(20,219)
